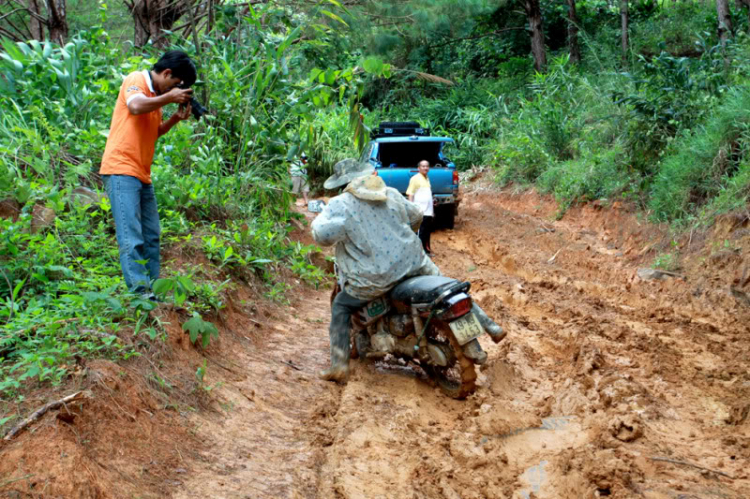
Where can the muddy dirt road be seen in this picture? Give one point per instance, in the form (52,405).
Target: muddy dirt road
(607,384)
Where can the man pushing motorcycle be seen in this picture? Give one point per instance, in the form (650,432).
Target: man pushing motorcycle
(374,230)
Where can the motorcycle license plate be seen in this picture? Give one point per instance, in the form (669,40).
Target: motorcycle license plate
(466,328)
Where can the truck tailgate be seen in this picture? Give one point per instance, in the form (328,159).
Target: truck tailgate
(441,179)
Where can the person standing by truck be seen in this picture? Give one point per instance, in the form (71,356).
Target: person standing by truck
(420,193)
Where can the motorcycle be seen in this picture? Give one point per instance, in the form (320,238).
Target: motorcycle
(429,321)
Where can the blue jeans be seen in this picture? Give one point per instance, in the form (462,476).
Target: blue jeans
(137,225)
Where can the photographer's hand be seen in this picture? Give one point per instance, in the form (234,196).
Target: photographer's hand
(179,95)
(140,104)
(181,114)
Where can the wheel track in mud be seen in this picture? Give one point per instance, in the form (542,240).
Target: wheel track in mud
(277,416)
(599,372)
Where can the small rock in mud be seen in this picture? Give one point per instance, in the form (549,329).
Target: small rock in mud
(626,428)
(504,423)
(42,217)
(85,196)
(646,274)
(609,473)
(10,208)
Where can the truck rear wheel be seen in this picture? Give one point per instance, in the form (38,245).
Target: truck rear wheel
(446,216)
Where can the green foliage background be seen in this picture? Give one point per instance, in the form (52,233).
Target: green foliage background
(666,128)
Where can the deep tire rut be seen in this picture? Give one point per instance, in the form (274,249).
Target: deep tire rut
(600,373)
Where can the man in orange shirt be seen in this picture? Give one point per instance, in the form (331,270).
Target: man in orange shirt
(126,164)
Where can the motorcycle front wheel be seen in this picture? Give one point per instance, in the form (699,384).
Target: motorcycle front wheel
(458,379)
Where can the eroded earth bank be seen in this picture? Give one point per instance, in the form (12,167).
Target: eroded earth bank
(609,383)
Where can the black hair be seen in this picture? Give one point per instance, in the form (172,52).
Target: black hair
(181,65)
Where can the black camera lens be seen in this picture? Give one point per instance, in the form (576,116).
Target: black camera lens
(197,109)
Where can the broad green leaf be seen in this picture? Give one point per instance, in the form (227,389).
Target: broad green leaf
(288,41)
(179,297)
(373,65)
(17,289)
(334,17)
(114,304)
(186,283)
(163,286)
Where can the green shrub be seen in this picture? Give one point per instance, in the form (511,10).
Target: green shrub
(676,28)
(707,162)
(602,174)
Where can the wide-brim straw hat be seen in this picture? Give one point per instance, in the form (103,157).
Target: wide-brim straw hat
(345,171)
(369,188)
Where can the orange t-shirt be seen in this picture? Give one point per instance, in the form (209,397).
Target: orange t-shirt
(132,138)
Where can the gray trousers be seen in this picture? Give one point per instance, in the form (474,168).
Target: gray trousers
(342,309)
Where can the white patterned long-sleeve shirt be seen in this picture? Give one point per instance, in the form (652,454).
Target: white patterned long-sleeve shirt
(376,246)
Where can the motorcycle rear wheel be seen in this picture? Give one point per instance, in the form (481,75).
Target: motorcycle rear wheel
(457,380)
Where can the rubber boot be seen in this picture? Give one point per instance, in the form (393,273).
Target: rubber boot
(496,332)
(339,370)
(473,350)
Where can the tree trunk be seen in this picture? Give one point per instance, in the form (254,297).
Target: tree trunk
(35,24)
(534,13)
(575,50)
(725,22)
(625,25)
(746,4)
(210,17)
(152,17)
(57,21)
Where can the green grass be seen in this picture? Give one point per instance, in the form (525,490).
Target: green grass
(706,169)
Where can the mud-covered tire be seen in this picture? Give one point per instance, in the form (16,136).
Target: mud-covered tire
(445,216)
(449,218)
(468,375)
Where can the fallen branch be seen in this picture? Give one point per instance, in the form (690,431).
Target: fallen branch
(40,412)
(684,463)
(14,480)
(223,366)
(31,329)
(290,364)
(554,257)
(673,274)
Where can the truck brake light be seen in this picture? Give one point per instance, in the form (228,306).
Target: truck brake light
(455,177)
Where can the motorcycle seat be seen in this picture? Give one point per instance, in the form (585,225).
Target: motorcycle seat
(425,288)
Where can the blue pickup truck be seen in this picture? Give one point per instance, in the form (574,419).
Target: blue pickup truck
(396,148)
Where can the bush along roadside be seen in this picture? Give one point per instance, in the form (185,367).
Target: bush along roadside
(221,186)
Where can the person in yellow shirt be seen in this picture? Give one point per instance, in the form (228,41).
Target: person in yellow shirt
(420,193)
(126,165)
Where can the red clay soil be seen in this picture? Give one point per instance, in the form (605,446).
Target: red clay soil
(607,384)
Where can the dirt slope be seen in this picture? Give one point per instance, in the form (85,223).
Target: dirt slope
(607,384)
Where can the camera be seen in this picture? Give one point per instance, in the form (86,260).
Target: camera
(197,109)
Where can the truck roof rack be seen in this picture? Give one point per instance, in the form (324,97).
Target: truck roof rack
(398,129)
